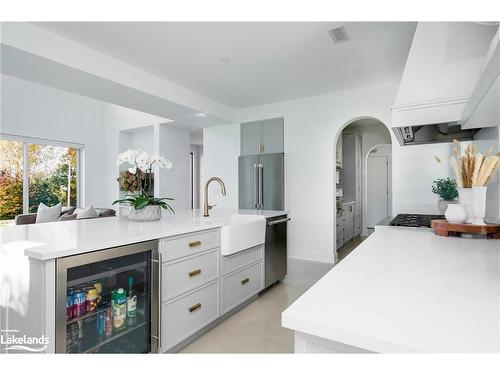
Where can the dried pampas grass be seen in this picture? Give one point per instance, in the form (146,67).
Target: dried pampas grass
(472,168)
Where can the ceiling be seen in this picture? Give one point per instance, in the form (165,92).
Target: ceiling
(247,64)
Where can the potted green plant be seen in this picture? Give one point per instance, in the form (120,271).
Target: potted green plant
(446,189)
(137,181)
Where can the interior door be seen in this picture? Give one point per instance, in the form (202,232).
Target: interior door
(272,181)
(377,202)
(247,181)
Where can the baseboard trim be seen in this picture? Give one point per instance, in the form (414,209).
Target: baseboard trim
(313,257)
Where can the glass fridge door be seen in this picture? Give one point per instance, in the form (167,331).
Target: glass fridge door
(106,301)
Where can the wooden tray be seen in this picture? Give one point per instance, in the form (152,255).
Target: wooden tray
(443,228)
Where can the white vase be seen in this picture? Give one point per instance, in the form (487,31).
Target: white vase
(148,213)
(455,213)
(465,197)
(479,202)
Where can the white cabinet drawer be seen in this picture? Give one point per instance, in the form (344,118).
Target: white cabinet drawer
(243,258)
(184,316)
(188,244)
(241,285)
(180,276)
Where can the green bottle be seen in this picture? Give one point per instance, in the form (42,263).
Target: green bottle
(131,302)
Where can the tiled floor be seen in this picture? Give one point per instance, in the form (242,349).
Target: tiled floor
(257,328)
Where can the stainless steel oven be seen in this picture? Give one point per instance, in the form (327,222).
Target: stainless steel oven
(107,301)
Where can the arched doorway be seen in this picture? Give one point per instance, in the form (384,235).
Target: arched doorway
(354,142)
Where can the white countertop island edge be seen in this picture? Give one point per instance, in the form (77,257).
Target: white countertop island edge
(60,239)
(406,290)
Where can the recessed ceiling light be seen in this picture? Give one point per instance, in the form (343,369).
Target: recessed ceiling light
(339,35)
(200,114)
(225,59)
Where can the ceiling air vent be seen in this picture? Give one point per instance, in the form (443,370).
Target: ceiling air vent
(339,34)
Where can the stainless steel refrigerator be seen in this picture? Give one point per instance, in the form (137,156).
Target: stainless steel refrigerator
(261,181)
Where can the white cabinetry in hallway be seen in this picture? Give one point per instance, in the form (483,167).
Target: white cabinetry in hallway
(345,228)
(349,219)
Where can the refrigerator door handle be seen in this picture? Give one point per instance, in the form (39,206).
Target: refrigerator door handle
(255,186)
(156,281)
(261,186)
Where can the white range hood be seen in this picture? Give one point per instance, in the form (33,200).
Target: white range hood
(483,107)
(443,66)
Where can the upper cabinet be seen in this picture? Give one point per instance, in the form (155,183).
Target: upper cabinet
(262,137)
(251,138)
(483,109)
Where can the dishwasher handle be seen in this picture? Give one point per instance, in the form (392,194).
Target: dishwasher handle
(280,221)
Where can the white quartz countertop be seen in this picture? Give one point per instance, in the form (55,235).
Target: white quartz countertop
(59,239)
(407,290)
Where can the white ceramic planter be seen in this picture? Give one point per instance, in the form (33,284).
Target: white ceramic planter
(455,213)
(148,213)
(479,203)
(443,205)
(465,196)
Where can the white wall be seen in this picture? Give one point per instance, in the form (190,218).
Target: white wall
(221,148)
(125,128)
(311,127)
(197,151)
(138,139)
(414,170)
(33,110)
(174,144)
(487,138)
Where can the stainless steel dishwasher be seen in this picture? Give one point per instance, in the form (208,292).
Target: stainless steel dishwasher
(276,249)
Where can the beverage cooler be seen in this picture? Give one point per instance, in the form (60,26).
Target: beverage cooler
(107,301)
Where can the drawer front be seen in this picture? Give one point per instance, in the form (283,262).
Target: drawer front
(189,244)
(243,258)
(185,274)
(187,315)
(241,285)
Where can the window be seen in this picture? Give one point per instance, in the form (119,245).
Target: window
(36,171)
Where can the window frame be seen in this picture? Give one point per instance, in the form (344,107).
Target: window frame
(25,140)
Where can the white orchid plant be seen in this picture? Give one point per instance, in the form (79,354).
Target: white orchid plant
(141,165)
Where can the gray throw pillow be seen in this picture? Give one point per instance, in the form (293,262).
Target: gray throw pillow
(67,217)
(47,214)
(68,210)
(86,213)
(106,212)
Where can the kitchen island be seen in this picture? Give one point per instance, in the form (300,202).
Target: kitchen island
(180,259)
(404,290)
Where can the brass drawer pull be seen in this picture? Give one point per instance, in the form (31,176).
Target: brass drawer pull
(194,273)
(244,281)
(194,307)
(194,243)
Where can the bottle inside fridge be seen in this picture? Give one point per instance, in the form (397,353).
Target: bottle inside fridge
(109,301)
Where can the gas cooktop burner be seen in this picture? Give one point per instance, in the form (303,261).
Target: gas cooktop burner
(414,220)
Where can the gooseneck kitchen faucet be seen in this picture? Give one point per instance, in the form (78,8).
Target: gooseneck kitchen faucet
(206,206)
